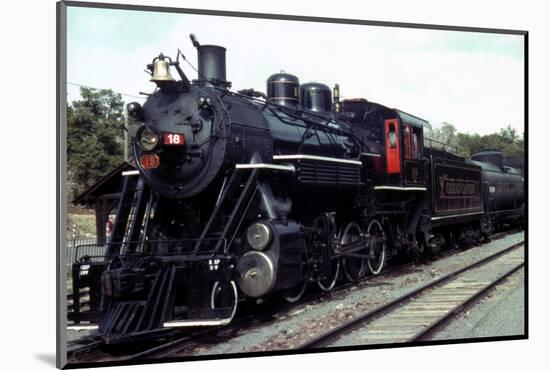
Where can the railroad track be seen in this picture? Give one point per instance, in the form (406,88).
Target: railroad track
(417,315)
(178,342)
(175,340)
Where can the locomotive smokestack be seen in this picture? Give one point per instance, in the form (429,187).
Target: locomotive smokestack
(211,61)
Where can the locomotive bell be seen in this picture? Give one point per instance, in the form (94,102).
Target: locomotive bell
(161,70)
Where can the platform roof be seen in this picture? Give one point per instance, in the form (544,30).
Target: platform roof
(108,184)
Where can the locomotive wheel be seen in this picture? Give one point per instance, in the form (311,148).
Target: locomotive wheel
(354,267)
(295,294)
(217,296)
(417,250)
(325,240)
(327,283)
(377,253)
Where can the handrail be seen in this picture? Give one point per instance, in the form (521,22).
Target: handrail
(444,145)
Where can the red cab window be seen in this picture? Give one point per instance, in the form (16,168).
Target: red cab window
(393,160)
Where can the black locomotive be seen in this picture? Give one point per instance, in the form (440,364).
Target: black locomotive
(242,195)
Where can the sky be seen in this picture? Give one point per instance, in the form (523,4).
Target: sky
(473,80)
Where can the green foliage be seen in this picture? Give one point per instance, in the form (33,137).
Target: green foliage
(94,138)
(446,133)
(506,140)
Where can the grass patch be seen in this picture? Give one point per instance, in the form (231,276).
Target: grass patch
(83,225)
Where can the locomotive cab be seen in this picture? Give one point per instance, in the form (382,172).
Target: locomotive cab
(403,147)
(403,140)
(399,139)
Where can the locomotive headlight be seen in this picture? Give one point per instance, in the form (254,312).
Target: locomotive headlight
(258,236)
(147,139)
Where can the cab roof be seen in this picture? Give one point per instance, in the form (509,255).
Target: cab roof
(412,120)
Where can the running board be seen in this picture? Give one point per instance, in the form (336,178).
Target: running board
(205,322)
(82,327)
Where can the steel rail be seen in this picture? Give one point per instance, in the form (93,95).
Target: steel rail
(332,335)
(182,342)
(178,345)
(178,341)
(71,351)
(438,324)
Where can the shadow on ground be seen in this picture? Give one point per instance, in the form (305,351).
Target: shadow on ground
(47,358)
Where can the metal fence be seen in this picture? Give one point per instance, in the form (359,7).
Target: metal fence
(78,248)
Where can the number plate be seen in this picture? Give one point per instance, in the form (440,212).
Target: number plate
(174,139)
(149,161)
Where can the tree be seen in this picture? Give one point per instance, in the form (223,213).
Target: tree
(468,144)
(445,134)
(509,134)
(94,138)
(507,140)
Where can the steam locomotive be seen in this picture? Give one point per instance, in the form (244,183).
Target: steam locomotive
(242,195)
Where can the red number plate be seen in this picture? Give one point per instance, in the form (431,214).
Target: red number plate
(174,139)
(149,161)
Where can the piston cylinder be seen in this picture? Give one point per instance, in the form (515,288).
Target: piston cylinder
(277,266)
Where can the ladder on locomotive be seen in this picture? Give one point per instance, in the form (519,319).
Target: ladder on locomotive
(228,212)
(132,216)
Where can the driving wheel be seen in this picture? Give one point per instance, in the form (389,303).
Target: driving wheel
(354,267)
(377,252)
